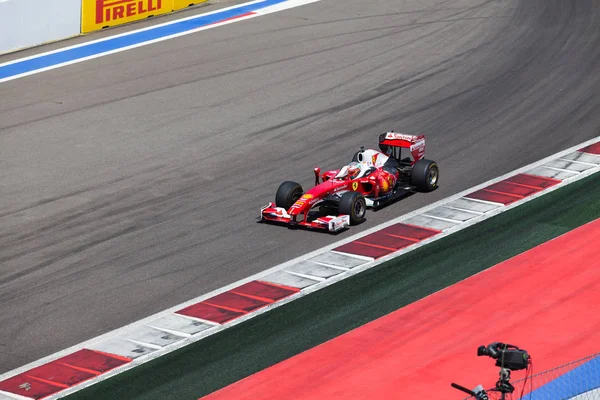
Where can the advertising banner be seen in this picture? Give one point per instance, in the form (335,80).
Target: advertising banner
(179,4)
(98,14)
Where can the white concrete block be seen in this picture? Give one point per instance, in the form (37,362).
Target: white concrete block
(552,173)
(570,165)
(122,347)
(474,205)
(146,334)
(283,278)
(338,260)
(177,323)
(312,269)
(6,396)
(428,222)
(583,157)
(451,213)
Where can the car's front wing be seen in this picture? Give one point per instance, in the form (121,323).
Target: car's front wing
(332,223)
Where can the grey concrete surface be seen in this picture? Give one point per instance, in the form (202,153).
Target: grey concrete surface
(132,182)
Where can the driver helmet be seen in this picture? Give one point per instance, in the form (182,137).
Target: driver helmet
(353,169)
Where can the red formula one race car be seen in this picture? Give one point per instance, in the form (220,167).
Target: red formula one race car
(374,178)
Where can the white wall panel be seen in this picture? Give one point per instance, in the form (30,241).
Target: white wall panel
(27,23)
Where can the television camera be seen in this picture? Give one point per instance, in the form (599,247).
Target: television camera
(509,358)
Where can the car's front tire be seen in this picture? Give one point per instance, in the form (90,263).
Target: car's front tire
(287,194)
(354,205)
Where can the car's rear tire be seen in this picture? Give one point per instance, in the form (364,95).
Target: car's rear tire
(287,194)
(354,205)
(425,175)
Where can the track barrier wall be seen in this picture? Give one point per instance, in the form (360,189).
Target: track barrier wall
(29,23)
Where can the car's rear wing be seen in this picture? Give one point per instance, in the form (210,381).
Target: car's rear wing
(415,143)
(399,139)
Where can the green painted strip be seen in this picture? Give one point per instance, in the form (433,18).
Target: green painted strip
(219,360)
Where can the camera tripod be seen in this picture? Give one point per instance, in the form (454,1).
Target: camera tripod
(503,386)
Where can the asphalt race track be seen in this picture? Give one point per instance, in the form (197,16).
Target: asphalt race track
(132,182)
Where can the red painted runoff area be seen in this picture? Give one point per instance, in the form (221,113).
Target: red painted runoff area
(62,373)
(209,312)
(513,189)
(265,290)
(237,302)
(30,386)
(92,360)
(386,241)
(545,300)
(592,148)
